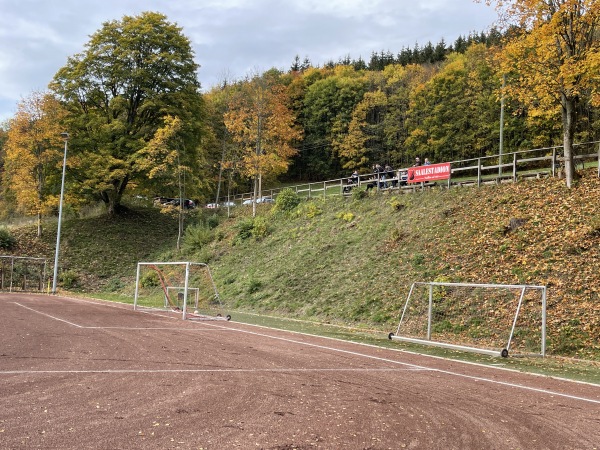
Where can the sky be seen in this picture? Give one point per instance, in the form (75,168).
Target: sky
(230,38)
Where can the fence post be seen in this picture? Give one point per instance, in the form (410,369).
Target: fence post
(598,160)
(514,167)
(478,172)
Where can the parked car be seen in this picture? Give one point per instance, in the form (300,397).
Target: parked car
(168,201)
(259,200)
(227,204)
(211,205)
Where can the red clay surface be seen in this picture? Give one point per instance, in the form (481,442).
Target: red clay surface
(81,374)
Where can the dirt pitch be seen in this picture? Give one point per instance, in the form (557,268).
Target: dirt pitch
(84,374)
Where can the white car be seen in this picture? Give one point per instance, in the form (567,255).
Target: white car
(259,200)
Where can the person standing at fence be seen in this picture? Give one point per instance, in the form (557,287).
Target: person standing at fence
(427,163)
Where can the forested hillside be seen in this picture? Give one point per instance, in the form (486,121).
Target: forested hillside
(531,85)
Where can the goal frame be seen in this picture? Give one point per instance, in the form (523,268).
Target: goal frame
(504,352)
(185,288)
(8,265)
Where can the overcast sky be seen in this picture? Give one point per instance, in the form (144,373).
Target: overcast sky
(231,38)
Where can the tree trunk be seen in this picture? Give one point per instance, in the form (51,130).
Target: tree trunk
(112,198)
(568,119)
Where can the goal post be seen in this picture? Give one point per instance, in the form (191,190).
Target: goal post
(22,273)
(492,319)
(183,288)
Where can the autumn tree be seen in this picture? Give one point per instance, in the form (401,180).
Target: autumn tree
(552,62)
(327,113)
(363,145)
(263,126)
(133,74)
(34,155)
(454,115)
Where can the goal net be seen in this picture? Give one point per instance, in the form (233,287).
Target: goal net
(22,273)
(492,319)
(183,288)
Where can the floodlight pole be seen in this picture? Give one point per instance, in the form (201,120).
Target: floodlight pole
(65,136)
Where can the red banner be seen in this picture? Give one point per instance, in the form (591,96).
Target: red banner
(430,172)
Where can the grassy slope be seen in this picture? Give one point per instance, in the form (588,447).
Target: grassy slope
(354,262)
(351,262)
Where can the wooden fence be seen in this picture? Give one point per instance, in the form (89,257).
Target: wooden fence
(495,169)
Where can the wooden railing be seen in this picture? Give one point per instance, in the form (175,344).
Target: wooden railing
(495,169)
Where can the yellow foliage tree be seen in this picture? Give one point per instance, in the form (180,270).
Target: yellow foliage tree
(264,128)
(34,155)
(552,63)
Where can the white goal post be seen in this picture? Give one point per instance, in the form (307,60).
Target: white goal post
(492,319)
(185,288)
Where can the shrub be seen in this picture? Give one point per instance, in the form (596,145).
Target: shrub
(197,237)
(260,227)
(68,279)
(359,194)
(310,210)
(287,200)
(149,279)
(7,240)
(244,230)
(212,221)
(345,216)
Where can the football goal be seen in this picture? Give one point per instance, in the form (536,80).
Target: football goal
(492,319)
(183,288)
(22,273)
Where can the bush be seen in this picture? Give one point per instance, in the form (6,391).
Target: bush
(310,210)
(197,237)
(68,279)
(287,200)
(260,228)
(244,228)
(7,240)
(149,279)
(212,221)
(359,194)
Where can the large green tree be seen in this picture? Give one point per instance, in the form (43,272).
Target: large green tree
(133,75)
(328,107)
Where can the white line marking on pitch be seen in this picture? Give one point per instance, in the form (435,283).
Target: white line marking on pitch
(323,347)
(280,370)
(415,366)
(48,315)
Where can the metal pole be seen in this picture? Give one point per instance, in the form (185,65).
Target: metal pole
(501,143)
(65,136)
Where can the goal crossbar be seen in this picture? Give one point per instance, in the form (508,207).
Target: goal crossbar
(428,338)
(182,288)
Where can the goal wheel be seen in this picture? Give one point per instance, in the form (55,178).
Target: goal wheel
(390,336)
(504,353)
(228,317)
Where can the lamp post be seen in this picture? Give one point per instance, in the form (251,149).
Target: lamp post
(65,136)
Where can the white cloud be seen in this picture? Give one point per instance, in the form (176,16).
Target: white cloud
(228,36)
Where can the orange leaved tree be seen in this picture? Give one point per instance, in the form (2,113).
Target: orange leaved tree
(34,155)
(552,63)
(264,128)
